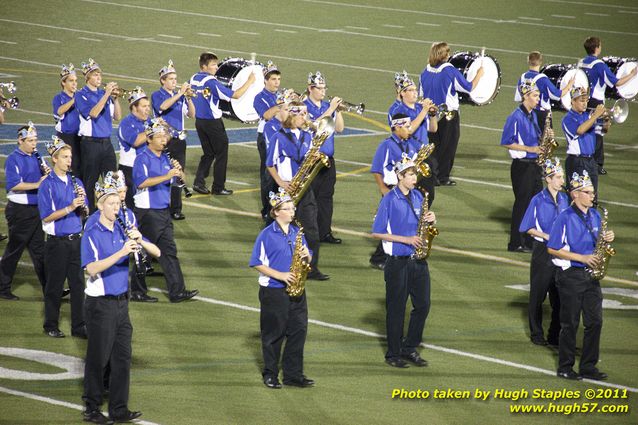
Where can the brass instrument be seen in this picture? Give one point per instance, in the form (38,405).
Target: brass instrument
(313,161)
(180,181)
(618,114)
(299,268)
(11,103)
(84,209)
(205,92)
(142,262)
(287,95)
(118,91)
(440,111)
(425,231)
(357,108)
(603,251)
(422,167)
(9,87)
(547,143)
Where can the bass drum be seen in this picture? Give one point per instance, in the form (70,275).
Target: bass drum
(621,67)
(560,75)
(468,64)
(233,73)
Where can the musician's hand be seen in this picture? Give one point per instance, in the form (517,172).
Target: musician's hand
(77,202)
(305,252)
(284,185)
(534,149)
(81,192)
(174,172)
(590,260)
(286,277)
(129,247)
(175,163)
(46,170)
(550,133)
(335,102)
(110,87)
(599,111)
(430,217)
(134,234)
(609,236)
(184,88)
(415,241)
(428,104)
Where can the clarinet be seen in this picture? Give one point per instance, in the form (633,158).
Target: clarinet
(41,162)
(84,209)
(140,269)
(180,182)
(140,254)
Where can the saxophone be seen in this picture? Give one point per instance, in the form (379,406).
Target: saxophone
(299,268)
(424,152)
(313,161)
(548,143)
(603,251)
(426,231)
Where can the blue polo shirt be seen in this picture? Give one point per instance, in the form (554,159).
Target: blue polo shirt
(441,84)
(570,232)
(130,218)
(56,193)
(521,127)
(398,107)
(583,144)
(208,109)
(173,115)
(21,168)
(274,249)
(263,102)
(288,151)
(395,216)
(98,243)
(546,88)
(130,127)
(68,122)
(599,76)
(100,127)
(542,212)
(146,165)
(389,152)
(315,112)
(271,128)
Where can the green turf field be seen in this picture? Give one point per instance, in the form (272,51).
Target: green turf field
(199,362)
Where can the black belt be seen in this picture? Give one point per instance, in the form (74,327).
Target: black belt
(96,139)
(580,156)
(525,159)
(71,237)
(400,257)
(120,297)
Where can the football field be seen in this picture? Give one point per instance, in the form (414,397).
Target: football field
(200,362)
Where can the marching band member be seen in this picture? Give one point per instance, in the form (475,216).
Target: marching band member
(131,134)
(24,174)
(172,106)
(67,116)
(572,241)
(105,256)
(61,201)
(323,186)
(282,317)
(599,76)
(537,221)
(288,151)
(210,127)
(388,153)
(440,82)
(546,88)
(396,224)
(521,135)
(152,176)
(579,127)
(98,108)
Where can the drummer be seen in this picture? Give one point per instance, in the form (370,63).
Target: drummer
(210,127)
(600,76)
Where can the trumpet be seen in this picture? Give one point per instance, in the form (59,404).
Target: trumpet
(357,108)
(441,111)
(9,87)
(119,91)
(11,103)
(618,114)
(205,92)
(180,181)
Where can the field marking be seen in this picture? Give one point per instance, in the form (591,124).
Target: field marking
(589,4)
(564,16)
(433,347)
(8,42)
(497,161)
(238,182)
(427,24)
(608,304)
(241,32)
(169,36)
(207,34)
(392,26)
(462,22)
(285,31)
(530,18)
(46,40)
(357,28)
(627,11)
(596,14)
(90,39)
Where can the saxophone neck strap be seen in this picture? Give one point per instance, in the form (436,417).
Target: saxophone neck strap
(583,218)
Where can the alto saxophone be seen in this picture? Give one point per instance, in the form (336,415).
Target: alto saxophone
(421,167)
(548,142)
(425,231)
(299,268)
(603,251)
(313,161)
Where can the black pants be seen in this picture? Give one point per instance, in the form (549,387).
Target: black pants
(109,344)
(266,182)
(403,277)
(577,164)
(74,141)
(282,318)
(543,281)
(526,182)
(138,284)
(579,293)
(98,157)
(307,216)
(446,142)
(177,149)
(599,152)
(323,186)
(157,226)
(25,231)
(62,262)
(214,141)
(130,186)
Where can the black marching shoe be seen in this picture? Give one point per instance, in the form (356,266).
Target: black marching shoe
(380,265)
(448,183)
(178,216)
(139,297)
(96,417)
(54,333)
(595,375)
(3,236)
(520,248)
(9,296)
(397,362)
(539,341)
(66,292)
(223,191)
(415,359)
(570,374)
(127,417)
(329,238)
(301,382)
(80,333)
(201,189)
(184,295)
(272,383)
(602,171)
(317,275)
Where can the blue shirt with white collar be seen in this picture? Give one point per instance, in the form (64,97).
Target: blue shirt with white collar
(521,128)
(315,112)
(56,193)
(599,76)
(263,102)
(441,83)
(130,127)
(208,109)
(576,232)
(271,128)
(579,144)
(389,152)
(288,152)
(546,88)
(542,212)
(173,115)
(100,127)
(19,168)
(274,248)
(398,107)
(395,216)
(68,122)
(98,243)
(147,165)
